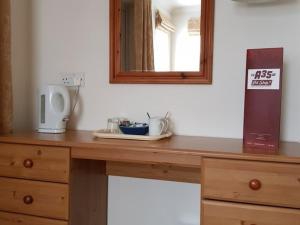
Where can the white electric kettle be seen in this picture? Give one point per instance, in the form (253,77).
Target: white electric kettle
(54,109)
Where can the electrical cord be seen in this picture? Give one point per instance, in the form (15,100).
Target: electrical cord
(76,101)
(75,104)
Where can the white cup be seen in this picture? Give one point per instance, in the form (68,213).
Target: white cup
(157,126)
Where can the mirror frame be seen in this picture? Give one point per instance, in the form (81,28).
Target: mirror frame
(204,76)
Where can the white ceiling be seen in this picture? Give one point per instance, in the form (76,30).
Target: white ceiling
(172,4)
(179,3)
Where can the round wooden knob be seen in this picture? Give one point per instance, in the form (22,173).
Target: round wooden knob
(28,163)
(28,199)
(255,184)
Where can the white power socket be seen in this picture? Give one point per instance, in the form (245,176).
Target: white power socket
(73,79)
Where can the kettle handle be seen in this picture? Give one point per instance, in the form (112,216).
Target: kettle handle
(67,107)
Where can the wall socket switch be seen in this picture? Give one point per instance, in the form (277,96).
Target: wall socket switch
(73,79)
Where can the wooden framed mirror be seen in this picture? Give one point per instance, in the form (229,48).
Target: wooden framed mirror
(161,41)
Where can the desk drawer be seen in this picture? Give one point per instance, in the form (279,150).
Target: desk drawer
(17,219)
(253,182)
(35,162)
(222,213)
(34,198)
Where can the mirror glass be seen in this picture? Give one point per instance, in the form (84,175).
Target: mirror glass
(160,35)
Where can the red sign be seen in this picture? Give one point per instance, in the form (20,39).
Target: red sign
(263,100)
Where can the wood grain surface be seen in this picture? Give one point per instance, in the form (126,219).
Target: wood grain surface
(48,199)
(154,171)
(89,188)
(18,219)
(226,168)
(188,147)
(48,163)
(225,213)
(204,76)
(229,180)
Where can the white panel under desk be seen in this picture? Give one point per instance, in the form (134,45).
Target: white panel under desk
(135,201)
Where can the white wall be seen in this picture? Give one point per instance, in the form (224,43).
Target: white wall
(150,202)
(72,35)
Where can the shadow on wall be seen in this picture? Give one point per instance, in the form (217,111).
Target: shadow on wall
(284,99)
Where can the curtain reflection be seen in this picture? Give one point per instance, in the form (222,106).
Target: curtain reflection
(137,36)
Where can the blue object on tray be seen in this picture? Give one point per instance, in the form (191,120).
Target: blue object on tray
(135,129)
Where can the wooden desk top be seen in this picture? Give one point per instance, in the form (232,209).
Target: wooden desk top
(85,146)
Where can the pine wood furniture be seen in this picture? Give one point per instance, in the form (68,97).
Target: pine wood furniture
(54,179)
(204,76)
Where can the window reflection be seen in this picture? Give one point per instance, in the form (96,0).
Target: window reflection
(160,35)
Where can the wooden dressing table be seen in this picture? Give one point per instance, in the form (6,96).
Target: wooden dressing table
(62,179)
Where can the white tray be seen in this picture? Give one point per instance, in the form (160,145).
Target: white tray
(106,134)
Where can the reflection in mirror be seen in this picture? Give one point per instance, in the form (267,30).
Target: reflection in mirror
(160,35)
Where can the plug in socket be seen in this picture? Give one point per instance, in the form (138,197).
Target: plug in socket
(73,79)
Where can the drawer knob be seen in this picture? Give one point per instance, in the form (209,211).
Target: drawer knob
(28,199)
(255,184)
(28,163)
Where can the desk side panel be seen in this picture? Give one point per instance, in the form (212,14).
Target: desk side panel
(89,188)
